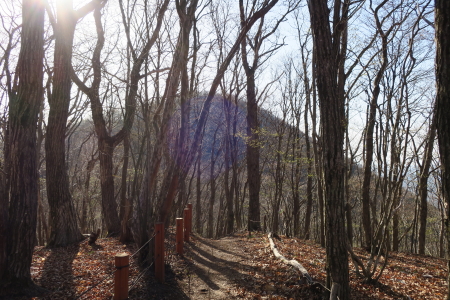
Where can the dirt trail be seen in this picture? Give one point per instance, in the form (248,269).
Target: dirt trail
(214,268)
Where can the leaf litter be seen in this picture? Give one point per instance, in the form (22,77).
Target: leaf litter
(71,271)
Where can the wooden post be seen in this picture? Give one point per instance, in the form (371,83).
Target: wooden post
(186,226)
(159,252)
(189,224)
(179,236)
(122,261)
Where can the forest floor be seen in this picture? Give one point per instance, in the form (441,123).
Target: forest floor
(234,267)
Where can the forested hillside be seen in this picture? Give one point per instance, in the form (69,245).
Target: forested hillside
(316,120)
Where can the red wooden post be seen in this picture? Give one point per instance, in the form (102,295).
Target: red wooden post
(189,206)
(186,224)
(159,252)
(179,236)
(122,261)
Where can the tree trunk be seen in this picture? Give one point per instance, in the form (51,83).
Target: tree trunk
(25,99)
(235,177)
(332,109)
(317,150)
(252,148)
(279,178)
(220,218)
(109,204)
(212,197)
(126,202)
(441,240)
(423,184)
(198,204)
(309,182)
(348,214)
(366,219)
(63,220)
(395,230)
(229,189)
(4,215)
(86,196)
(296,206)
(442,25)
(308,205)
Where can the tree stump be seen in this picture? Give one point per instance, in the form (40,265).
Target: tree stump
(93,237)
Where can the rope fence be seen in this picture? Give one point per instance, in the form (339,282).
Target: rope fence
(140,275)
(145,244)
(121,276)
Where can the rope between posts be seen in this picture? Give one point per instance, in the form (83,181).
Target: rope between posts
(143,245)
(118,268)
(140,276)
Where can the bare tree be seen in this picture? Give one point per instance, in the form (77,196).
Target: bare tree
(423,182)
(388,21)
(25,91)
(107,142)
(330,49)
(260,11)
(371,124)
(63,221)
(259,56)
(442,20)
(308,93)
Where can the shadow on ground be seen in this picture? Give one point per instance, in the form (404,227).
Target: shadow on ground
(231,269)
(211,245)
(168,290)
(227,264)
(57,274)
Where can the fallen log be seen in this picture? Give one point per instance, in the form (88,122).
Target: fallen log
(291,262)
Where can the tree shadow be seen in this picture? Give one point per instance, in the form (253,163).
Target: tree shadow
(211,245)
(367,292)
(21,290)
(201,273)
(152,289)
(228,268)
(57,274)
(390,291)
(234,271)
(241,272)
